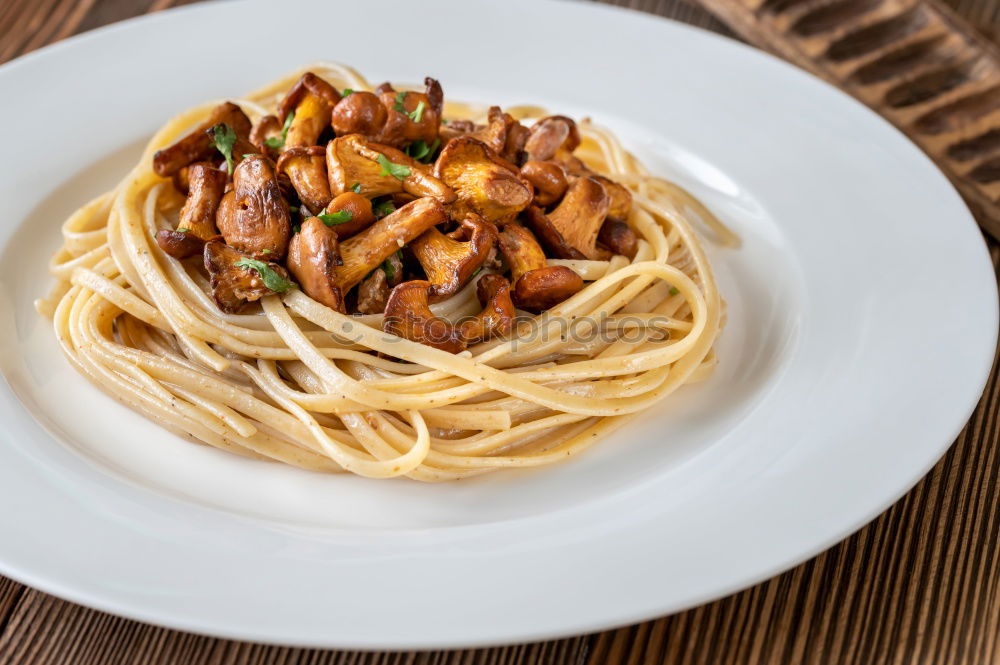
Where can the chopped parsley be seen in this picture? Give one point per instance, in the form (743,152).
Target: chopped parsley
(398,171)
(293,208)
(398,106)
(182,229)
(224,138)
(296,228)
(334,218)
(250,154)
(266,251)
(356,188)
(418,113)
(384,208)
(279,143)
(674,290)
(347,91)
(420,151)
(272,279)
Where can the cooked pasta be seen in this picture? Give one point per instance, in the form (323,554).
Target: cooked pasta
(289,378)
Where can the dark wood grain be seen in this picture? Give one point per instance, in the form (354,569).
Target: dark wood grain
(918,586)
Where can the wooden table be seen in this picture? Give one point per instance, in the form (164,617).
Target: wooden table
(919,585)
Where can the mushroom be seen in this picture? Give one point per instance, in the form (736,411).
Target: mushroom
(253,217)
(196,223)
(548,179)
(483,182)
(356,164)
(267,129)
(305,167)
(198,145)
(312,255)
(408,315)
(237,278)
(454,128)
(354,211)
(360,112)
(618,237)
(373,292)
(450,261)
(537,285)
(365,251)
(549,135)
(410,116)
(498,313)
(570,231)
(312,99)
(620,199)
(503,134)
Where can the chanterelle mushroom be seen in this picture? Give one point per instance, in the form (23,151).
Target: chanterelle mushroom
(408,315)
(498,313)
(350,213)
(537,285)
(618,237)
(198,146)
(238,279)
(570,231)
(483,182)
(196,223)
(371,169)
(365,251)
(305,167)
(549,135)
(313,254)
(504,135)
(253,217)
(548,179)
(450,261)
(411,116)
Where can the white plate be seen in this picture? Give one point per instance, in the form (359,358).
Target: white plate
(862,324)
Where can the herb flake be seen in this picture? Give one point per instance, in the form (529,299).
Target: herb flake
(279,143)
(356,188)
(224,138)
(418,113)
(334,218)
(384,208)
(398,106)
(272,279)
(397,171)
(387,266)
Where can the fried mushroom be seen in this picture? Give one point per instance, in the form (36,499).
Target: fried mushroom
(497,317)
(537,285)
(198,145)
(483,182)
(253,216)
(411,116)
(371,169)
(237,278)
(196,223)
(408,315)
(618,237)
(450,261)
(550,135)
(313,254)
(305,167)
(570,231)
(358,211)
(548,179)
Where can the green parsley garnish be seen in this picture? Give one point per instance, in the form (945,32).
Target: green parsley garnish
(384,208)
(279,143)
(334,218)
(420,151)
(182,229)
(356,188)
(418,113)
(398,106)
(266,251)
(398,171)
(250,154)
(388,268)
(347,91)
(224,138)
(272,279)
(674,290)
(293,208)
(296,228)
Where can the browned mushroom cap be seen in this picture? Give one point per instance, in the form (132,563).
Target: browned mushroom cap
(198,145)
(498,312)
(537,285)
(355,162)
(267,128)
(551,134)
(358,211)
(196,223)
(454,128)
(373,293)
(238,279)
(619,198)
(618,237)
(411,116)
(483,182)
(253,216)
(305,167)
(548,179)
(408,315)
(503,134)
(365,251)
(313,255)
(450,261)
(359,113)
(312,99)
(570,231)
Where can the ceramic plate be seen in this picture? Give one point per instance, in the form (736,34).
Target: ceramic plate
(861,325)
